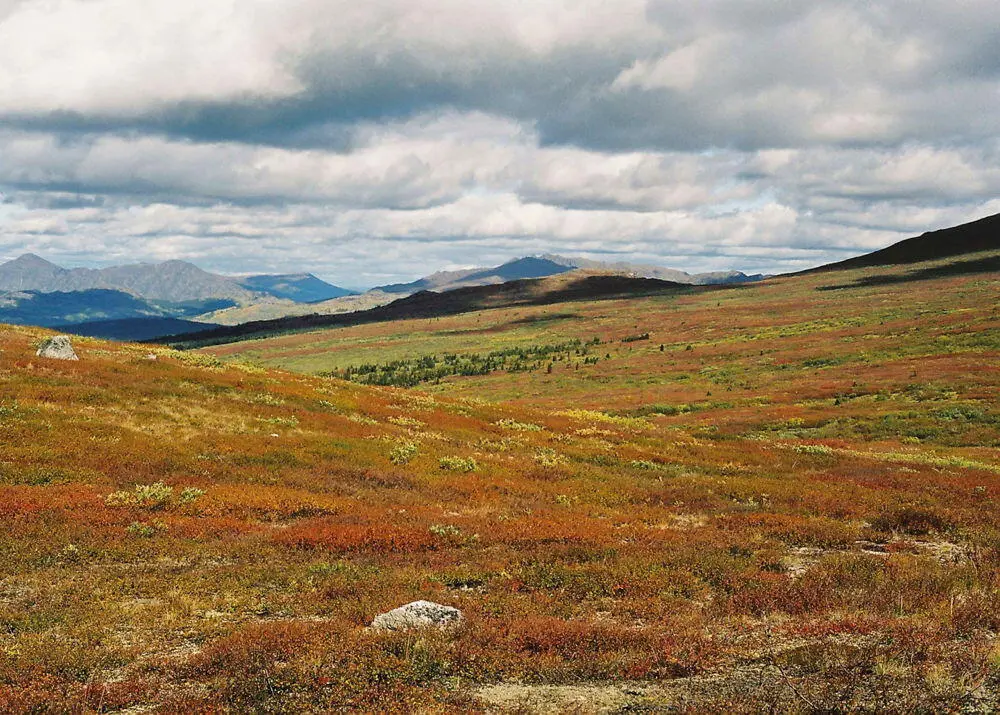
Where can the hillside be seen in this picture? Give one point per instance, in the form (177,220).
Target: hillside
(751,488)
(132,329)
(104,313)
(969,238)
(551,265)
(425,304)
(57,308)
(439,282)
(726,328)
(276,308)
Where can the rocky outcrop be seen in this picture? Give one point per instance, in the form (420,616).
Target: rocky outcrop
(58,347)
(419,614)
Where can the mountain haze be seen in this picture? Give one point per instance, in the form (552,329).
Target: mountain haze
(173,281)
(659,272)
(298,287)
(143,300)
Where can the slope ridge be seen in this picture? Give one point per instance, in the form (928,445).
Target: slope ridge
(973,237)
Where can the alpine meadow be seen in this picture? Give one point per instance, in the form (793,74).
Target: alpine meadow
(524,357)
(779,495)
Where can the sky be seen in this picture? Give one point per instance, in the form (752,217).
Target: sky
(371,142)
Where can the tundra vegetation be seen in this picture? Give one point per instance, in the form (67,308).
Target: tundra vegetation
(764,497)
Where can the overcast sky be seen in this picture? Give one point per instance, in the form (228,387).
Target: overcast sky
(372,141)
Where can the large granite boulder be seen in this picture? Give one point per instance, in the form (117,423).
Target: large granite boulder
(58,347)
(419,614)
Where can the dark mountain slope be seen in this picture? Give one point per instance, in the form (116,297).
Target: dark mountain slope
(981,235)
(427,304)
(58,308)
(133,329)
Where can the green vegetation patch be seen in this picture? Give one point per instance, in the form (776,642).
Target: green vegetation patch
(432,368)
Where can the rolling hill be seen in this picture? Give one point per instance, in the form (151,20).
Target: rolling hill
(568,286)
(276,308)
(513,270)
(973,237)
(133,329)
(465,291)
(104,313)
(676,499)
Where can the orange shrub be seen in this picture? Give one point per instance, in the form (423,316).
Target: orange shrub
(334,536)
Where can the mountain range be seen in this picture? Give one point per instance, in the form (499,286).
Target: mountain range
(527,267)
(567,282)
(168,282)
(550,265)
(566,286)
(149,297)
(144,300)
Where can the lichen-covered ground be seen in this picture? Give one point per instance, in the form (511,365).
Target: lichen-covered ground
(792,505)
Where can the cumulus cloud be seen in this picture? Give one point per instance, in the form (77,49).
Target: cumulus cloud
(392,138)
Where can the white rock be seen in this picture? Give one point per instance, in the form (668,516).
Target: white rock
(151,357)
(419,614)
(58,347)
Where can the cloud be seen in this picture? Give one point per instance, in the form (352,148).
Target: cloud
(389,138)
(664,75)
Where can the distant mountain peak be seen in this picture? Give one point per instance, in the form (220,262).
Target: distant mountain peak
(299,287)
(31,259)
(177,264)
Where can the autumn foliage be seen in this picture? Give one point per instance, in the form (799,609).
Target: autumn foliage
(802,504)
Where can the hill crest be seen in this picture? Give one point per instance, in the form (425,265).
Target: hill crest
(973,237)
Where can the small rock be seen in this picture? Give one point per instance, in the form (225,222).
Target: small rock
(151,357)
(58,347)
(419,614)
